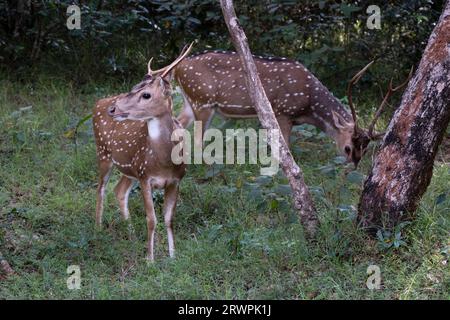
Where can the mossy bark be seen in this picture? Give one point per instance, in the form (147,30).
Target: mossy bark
(403,167)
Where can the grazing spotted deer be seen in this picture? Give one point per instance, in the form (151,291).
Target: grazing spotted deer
(133,133)
(214,81)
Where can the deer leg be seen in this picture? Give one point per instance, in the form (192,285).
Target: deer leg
(205,116)
(286,128)
(186,116)
(105,171)
(150,216)
(122,191)
(170,203)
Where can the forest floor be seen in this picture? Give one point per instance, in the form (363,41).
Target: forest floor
(236,234)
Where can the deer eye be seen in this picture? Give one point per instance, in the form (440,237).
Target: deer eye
(146,95)
(347,149)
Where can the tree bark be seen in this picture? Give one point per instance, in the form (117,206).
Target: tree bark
(402,169)
(302,198)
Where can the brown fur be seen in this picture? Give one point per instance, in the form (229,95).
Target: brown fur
(129,147)
(214,81)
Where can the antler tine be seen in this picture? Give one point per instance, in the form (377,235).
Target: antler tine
(405,82)
(352,82)
(149,66)
(183,54)
(150,71)
(390,91)
(379,110)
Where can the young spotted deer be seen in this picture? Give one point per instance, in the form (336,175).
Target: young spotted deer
(133,133)
(214,81)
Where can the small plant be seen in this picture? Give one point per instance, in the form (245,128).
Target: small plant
(392,239)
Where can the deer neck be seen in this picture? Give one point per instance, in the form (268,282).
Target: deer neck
(322,106)
(160,128)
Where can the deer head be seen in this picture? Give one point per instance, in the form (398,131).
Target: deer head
(151,98)
(360,138)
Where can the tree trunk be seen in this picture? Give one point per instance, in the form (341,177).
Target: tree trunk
(302,198)
(403,167)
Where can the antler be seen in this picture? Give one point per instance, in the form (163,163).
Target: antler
(168,68)
(354,80)
(183,54)
(150,71)
(390,91)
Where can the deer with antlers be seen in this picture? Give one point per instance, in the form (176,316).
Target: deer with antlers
(213,82)
(133,133)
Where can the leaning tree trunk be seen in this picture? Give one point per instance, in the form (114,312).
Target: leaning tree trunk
(403,167)
(302,198)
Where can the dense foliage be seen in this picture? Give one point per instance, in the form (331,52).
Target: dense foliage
(118,37)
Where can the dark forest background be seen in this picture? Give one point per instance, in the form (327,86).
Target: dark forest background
(118,37)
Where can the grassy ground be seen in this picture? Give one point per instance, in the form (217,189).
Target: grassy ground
(236,235)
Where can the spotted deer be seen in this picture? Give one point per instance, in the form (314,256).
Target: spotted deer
(214,82)
(133,133)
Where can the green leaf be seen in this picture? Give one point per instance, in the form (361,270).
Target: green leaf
(347,10)
(296,150)
(283,189)
(318,191)
(213,171)
(274,204)
(355,177)
(441,198)
(340,160)
(263,180)
(71,133)
(262,206)
(329,170)
(226,189)
(194,20)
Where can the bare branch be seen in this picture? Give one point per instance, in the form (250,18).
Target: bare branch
(302,198)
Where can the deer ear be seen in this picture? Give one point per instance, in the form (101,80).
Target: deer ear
(169,77)
(165,85)
(339,121)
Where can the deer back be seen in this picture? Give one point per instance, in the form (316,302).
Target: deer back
(216,79)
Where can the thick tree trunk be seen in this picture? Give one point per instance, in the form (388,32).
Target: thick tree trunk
(403,167)
(302,198)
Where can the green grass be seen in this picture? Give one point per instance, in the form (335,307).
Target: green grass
(236,235)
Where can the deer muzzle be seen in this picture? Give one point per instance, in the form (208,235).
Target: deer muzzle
(114,112)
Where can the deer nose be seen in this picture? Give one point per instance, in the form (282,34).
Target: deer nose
(111,110)
(356,162)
